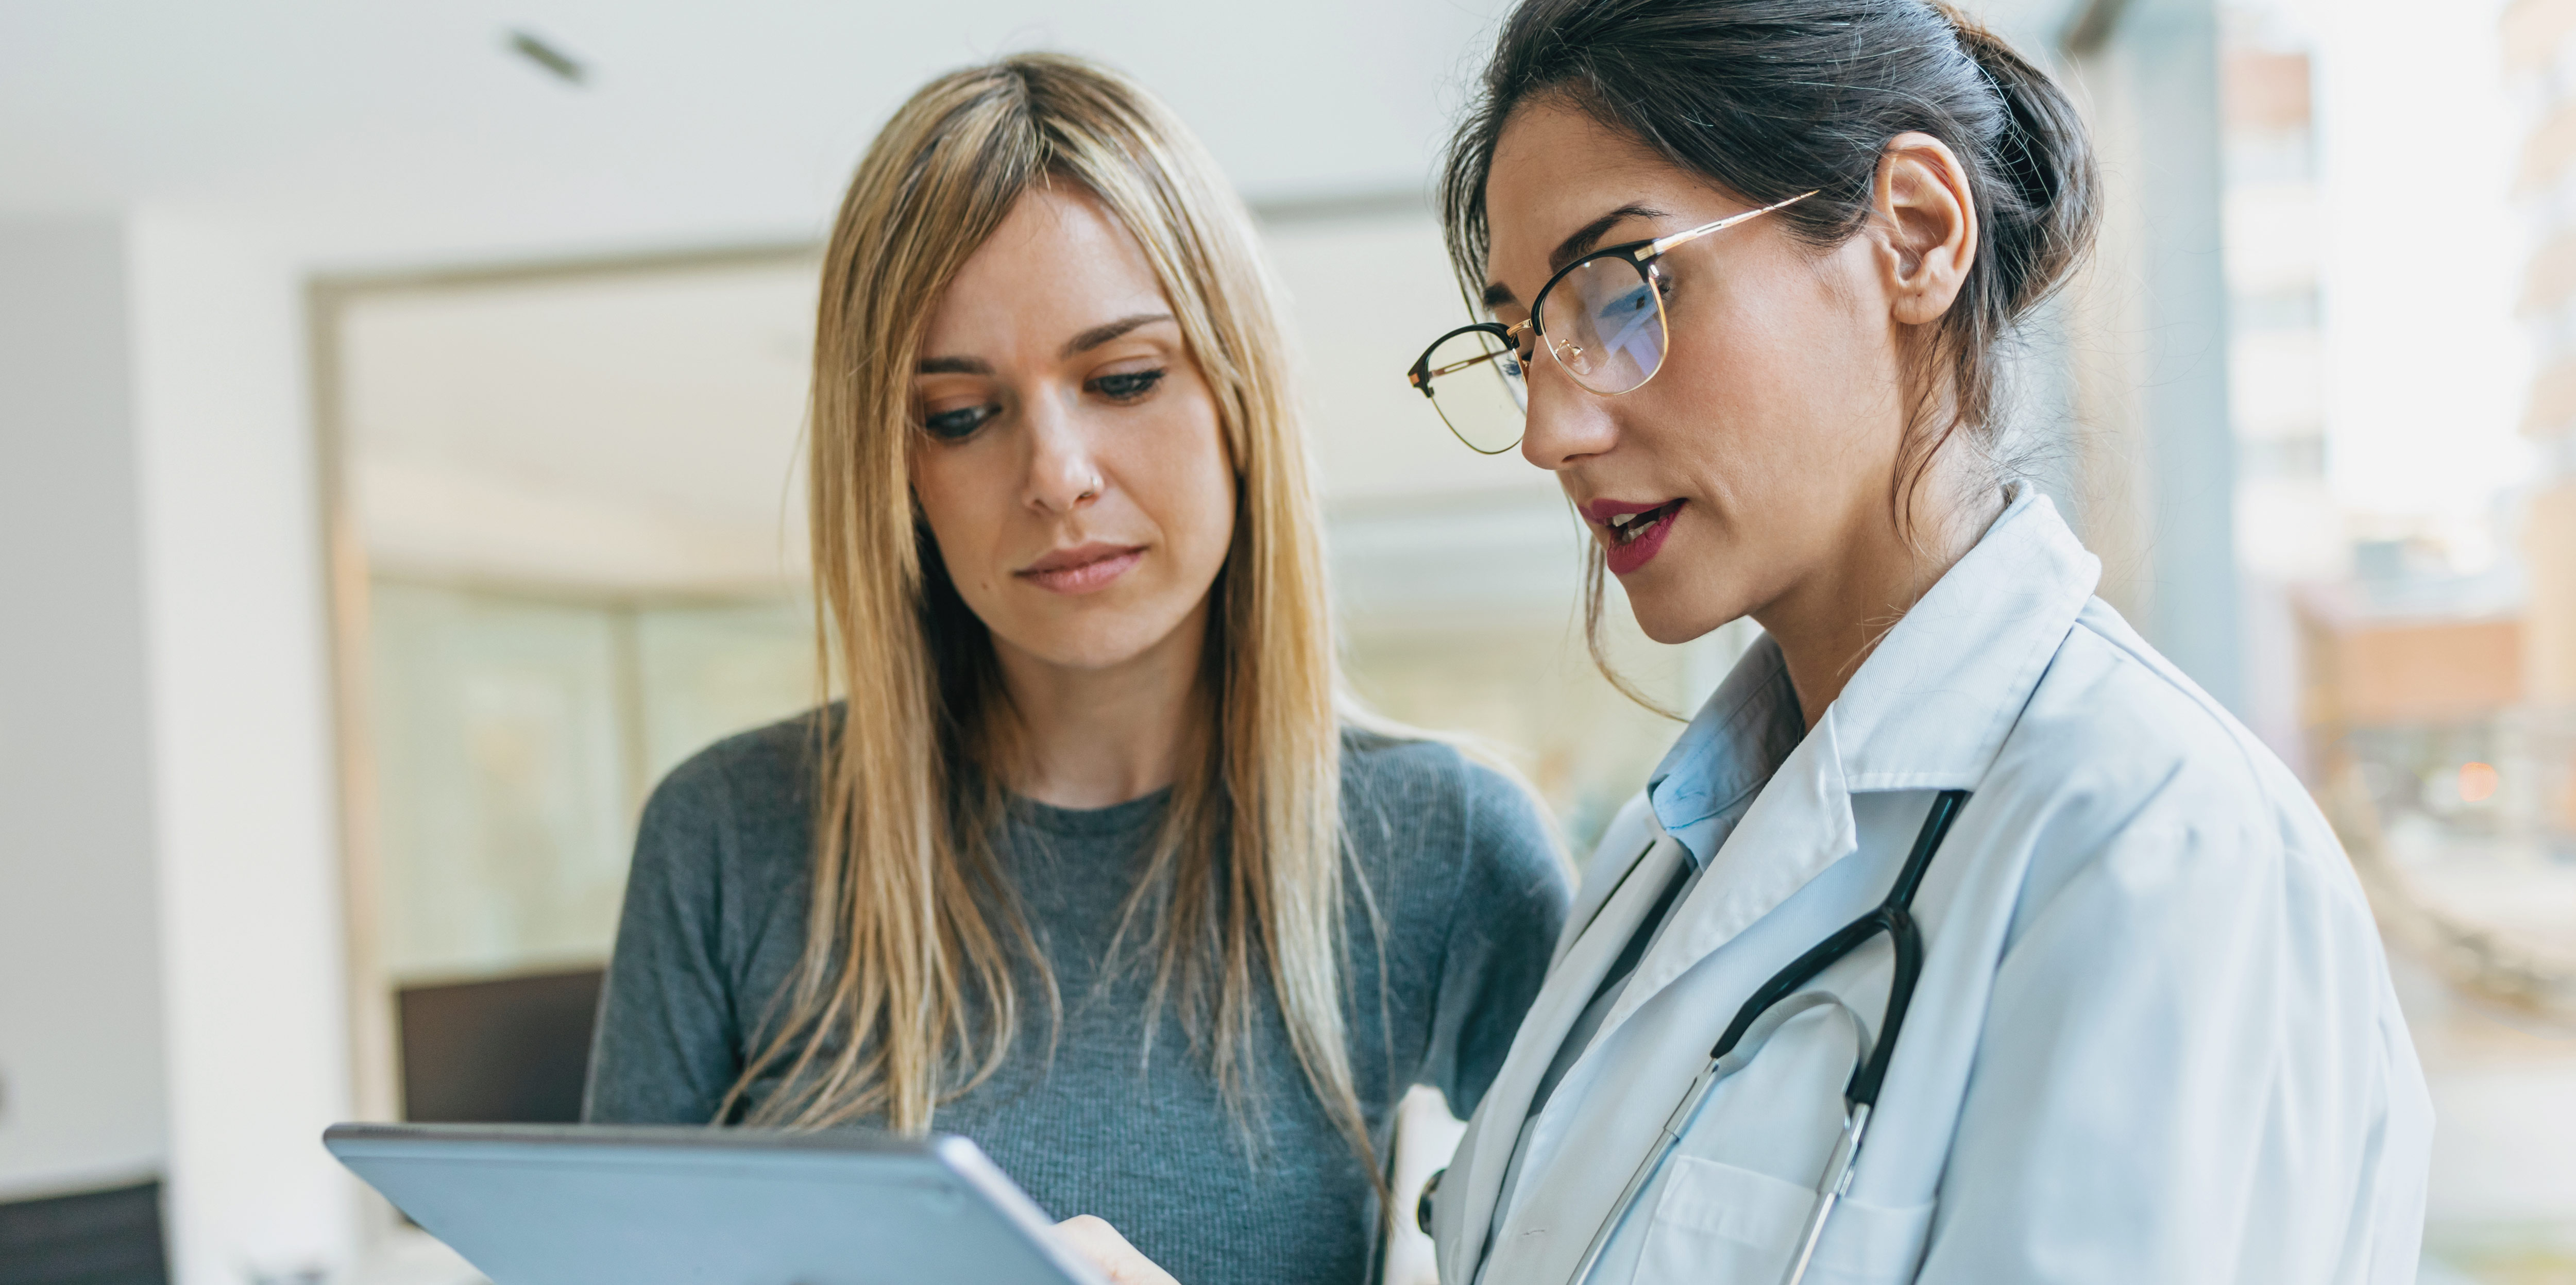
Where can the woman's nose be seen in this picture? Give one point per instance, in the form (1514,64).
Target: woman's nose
(1064,472)
(1566,424)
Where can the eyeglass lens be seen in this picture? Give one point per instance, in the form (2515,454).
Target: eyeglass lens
(1476,386)
(1603,321)
(1605,324)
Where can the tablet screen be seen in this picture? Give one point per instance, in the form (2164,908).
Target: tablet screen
(565,1205)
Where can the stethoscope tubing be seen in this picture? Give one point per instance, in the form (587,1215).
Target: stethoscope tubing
(1774,1002)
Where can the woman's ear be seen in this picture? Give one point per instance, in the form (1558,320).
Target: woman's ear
(1927,226)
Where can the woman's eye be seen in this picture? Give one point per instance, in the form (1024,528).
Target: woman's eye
(960,424)
(1126,386)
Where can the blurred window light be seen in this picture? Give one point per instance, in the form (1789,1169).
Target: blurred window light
(2477,782)
(572,556)
(2407,528)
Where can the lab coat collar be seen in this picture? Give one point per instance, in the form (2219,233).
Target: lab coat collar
(1928,710)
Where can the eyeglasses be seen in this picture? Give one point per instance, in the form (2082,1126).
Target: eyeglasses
(1605,326)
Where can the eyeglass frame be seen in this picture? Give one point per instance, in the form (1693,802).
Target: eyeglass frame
(1639,255)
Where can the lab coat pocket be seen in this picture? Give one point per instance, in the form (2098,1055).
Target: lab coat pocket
(1716,1222)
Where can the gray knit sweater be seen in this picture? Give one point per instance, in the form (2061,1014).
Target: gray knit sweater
(1464,880)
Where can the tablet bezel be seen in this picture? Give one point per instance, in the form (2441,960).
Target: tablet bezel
(955,1157)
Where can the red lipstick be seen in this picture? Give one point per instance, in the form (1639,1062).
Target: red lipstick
(1630,533)
(1083,568)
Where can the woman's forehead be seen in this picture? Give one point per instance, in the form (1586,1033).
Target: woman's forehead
(1557,170)
(1062,232)
(1059,258)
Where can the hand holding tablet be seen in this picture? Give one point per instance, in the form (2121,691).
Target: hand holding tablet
(1101,1245)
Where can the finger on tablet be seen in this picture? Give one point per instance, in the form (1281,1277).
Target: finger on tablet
(1104,1248)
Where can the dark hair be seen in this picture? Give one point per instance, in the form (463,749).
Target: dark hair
(1771,98)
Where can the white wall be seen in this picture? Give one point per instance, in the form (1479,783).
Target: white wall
(170,930)
(254,951)
(80,976)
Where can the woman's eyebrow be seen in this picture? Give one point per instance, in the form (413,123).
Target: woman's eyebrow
(1575,246)
(1589,235)
(1101,334)
(1079,344)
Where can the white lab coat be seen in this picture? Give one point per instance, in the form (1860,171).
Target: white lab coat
(2154,1038)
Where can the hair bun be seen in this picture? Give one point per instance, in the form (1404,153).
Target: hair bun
(2043,154)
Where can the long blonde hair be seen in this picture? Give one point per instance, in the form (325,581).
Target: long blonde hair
(904,996)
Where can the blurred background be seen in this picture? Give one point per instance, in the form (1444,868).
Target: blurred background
(399,425)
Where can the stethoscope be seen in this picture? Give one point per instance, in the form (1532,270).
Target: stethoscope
(1778,1000)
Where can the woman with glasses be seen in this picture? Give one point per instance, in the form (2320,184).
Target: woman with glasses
(1095,863)
(1960,937)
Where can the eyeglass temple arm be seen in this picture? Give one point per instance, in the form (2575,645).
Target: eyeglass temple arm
(1661,244)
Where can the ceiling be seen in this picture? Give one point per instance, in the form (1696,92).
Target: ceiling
(386,134)
(378,134)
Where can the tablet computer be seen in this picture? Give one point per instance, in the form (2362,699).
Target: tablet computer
(619,1205)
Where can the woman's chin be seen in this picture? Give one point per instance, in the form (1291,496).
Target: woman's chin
(1085,653)
(1676,618)
(1669,632)
(1094,643)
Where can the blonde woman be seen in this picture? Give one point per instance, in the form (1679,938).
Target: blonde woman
(1092,865)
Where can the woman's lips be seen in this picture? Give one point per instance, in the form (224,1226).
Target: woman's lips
(1082,568)
(1631,533)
